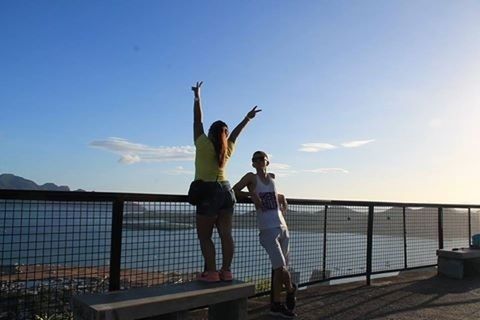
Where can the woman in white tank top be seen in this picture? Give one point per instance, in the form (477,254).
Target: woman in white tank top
(269,215)
(274,235)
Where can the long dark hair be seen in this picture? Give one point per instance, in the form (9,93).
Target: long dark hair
(219,140)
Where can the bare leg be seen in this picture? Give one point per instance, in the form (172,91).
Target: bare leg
(287,280)
(277,284)
(281,278)
(224,227)
(204,232)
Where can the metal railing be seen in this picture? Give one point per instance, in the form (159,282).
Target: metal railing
(57,244)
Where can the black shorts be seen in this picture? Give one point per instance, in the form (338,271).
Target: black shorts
(220,197)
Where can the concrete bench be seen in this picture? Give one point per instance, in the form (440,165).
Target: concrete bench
(225,301)
(458,263)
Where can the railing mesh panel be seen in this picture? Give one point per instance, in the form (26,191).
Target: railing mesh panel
(51,250)
(306,226)
(455,228)
(346,240)
(475,221)
(388,239)
(422,236)
(159,244)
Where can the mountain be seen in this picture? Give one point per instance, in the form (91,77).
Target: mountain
(10,181)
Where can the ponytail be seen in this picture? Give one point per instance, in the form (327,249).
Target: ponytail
(220,142)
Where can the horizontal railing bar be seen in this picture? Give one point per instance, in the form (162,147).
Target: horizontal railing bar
(379,203)
(358,275)
(148,197)
(88,196)
(309,283)
(405,269)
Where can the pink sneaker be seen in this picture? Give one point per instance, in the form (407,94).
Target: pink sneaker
(208,276)
(226,275)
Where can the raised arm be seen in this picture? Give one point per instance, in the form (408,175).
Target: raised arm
(250,115)
(197,111)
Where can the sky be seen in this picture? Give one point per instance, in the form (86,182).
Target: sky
(361,100)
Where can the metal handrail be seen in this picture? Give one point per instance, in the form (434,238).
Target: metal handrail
(111,196)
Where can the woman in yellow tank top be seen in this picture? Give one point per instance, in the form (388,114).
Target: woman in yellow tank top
(216,209)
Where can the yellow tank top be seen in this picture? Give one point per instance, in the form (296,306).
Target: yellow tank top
(206,163)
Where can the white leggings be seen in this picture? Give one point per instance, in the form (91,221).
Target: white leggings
(275,242)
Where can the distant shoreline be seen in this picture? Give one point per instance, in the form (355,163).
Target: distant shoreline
(419,224)
(43,272)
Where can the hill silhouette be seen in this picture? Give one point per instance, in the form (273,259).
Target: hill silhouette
(13,182)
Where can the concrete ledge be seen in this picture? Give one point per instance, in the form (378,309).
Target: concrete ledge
(452,268)
(172,300)
(458,263)
(461,253)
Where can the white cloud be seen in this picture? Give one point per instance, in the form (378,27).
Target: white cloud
(327,170)
(356,143)
(129,159)
(179,171)
(279,166)
(135,152)
(316,147)
(320,146)
(281,169)
(282,174)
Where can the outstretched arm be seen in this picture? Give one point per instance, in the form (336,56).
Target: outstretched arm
(250,115)
(197,111)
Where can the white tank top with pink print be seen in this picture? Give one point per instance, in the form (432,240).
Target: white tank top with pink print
(270,215)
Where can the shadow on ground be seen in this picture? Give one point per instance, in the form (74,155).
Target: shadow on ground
(411,295)
(419,294)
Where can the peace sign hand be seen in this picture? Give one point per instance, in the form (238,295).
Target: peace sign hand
(196,88)
(252,113)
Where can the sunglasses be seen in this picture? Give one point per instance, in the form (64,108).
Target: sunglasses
(259,159)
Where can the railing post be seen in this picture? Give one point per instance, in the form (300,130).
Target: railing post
(405,262)
(440,228)
(324,260)
(369,243)
(469,227)
(116,244)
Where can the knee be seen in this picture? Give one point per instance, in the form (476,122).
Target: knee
(225,236)
(204,235)
(224,232)
(280,270)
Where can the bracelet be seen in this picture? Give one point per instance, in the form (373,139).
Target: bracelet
(248,118)
(196,99)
